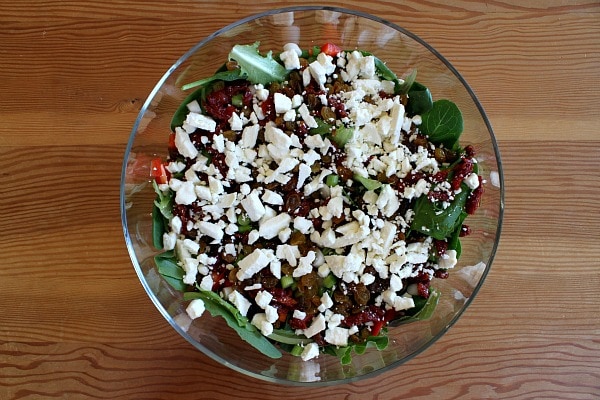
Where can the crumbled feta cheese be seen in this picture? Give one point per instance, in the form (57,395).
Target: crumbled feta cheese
(241,303)
(253,206)
(272,226)
(251,264)
(311,350)
(263,298)
(201,121)
(337,336)
(195,309)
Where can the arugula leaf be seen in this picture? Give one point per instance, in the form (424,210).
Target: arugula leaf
(167,266)
(219,76)
(423,310)
(288,337)
(217,306)
(255,67)
(164,201)
(443,123)
(439,223)
(345,353)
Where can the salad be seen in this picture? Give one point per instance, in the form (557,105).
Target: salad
(310,197)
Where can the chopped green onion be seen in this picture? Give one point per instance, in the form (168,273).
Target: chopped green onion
(297,350)
(332,180)
(286,281)
(244,220)
(329,281)
(368,183)
(237,100)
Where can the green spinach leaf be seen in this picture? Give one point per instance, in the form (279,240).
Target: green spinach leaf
(419,99)
(433,220)
(443,123)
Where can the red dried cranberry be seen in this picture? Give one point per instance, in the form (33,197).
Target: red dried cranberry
(474,199)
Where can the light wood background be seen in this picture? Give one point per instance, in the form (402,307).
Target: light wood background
(76,323)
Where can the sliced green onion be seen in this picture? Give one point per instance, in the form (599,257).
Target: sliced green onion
(332,180)
(243,219)
(237,100)
(297,350)
(342,135)
(329,281)
(286,281)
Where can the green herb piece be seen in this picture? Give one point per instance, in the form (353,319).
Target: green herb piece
(288,337)
(433,220)
(443,123)
(408,81)
(419,99)
(368,183)
(381,342)
(217,306)
(255,67)
(167,266)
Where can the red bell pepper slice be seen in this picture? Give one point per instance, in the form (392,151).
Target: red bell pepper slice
(331,49)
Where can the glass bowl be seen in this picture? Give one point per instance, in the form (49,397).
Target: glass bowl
(309,26)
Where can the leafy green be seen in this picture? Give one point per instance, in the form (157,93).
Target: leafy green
(255,67)
(408,81)
(344,353)
(342,134)
(368,183)
(443,123)
(226,75)
(170,270)
(158,227)
(217,306)
(423,309)
(419,99)
(164,201)
(433,220)
(161,214)
(288,337)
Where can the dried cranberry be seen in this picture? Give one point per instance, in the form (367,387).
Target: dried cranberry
(441,246)
(441,274)
(296,323)
(370,314)
(461,170)
(465,230)
(474,198)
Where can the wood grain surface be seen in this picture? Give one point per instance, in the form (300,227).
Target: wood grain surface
(75,322)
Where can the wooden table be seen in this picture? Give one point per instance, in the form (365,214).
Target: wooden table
(76,323)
